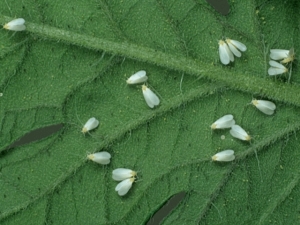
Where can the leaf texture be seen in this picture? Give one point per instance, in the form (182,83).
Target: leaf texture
(72,63)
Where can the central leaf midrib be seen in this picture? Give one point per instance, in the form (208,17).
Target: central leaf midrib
(247,83)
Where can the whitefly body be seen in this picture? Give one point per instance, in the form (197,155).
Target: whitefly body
(267,107)
(278,54)
(91,124)
(225,54)
(224,156)
(235,46)
(122,174)
(15,25)
(138,77)
(224,122)
(276,68)
(281,54)
(238,132)
(150,97)
(100,157)
(123,187)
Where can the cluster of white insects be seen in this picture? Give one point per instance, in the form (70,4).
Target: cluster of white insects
(286,56)
(150,97)
(228,48)
(127,176)
(237,131)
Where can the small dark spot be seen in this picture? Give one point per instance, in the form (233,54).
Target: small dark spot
(80,179)
(4,195)
(19,178)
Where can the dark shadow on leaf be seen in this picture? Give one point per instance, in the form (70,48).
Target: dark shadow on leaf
(166,208)
(220,6)
(36,135)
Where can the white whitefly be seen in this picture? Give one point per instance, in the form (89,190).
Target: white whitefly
(225,54)
(278,54)
(15,25)
(122,174)
(281,54)
(100,157)
(276,68)
(235,45)
(265,106)
(238,132)
(224,156)
(91,124)
(150,98)
(138,77)
(224,122)
(123,187)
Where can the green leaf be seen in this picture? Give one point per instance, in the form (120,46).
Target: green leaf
(71,64)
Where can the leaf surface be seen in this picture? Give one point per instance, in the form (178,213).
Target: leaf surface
(71,64)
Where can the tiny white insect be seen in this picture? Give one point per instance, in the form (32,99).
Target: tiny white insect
(91,124)
(123,187)
(278,54)
(224,156)
(100,157)
(150,98)
(138,77)
(281,54)
(276,68)
(235,45)
(224,122)
(225,54)
(265,106)
(122,174)
(238,132)
(15,25)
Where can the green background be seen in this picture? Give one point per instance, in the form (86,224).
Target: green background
(72,63)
